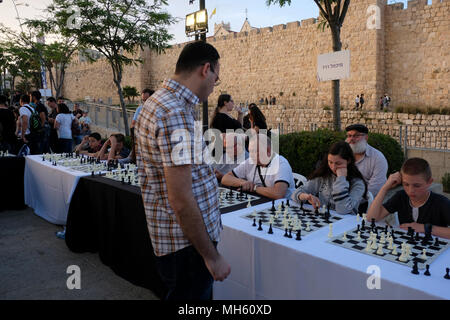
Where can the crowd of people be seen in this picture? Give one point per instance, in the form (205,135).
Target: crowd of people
(181,197)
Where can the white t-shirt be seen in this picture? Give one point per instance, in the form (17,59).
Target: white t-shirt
(278,170)
(65,125)
(24,111)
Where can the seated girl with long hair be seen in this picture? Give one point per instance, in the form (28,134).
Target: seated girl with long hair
(337,182)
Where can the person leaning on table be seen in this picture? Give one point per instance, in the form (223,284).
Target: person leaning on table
(337,181)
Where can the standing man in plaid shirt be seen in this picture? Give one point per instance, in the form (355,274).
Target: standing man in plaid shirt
(180,192)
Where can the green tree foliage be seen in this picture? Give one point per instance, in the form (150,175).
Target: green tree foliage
(116,29)
(130,92)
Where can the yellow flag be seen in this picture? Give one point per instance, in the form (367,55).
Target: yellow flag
(213,13)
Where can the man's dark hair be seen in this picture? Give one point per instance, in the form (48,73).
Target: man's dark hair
(3,99)
(36,94)
(95,135)
(416,166)
(63,108)
(25,98)
(119,137)
(149,91)
(61,98)
(195,54)
(51,99)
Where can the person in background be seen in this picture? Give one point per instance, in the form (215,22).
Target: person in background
(53,138)
(43,137)
(63,125)
(8,138)
(85,123)
(256,118)
(146,93)
(117,149)
(90,145)
(234,153)
(222,119)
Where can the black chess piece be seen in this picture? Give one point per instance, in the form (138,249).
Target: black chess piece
(287,203)
(299,235)
(417,236)
(92,173)
(410,231)
(447,276)
(363,224)
(411,239)
(316,211)
(357,230)
(273,206)
(270,229)
(427,272)
(386,230)
(415,269)
(290,233)
(282,205)
(260,225)
(254,222)
(436,242)
(286,233)
(372,225)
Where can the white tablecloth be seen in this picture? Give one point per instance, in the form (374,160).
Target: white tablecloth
(273,267)
(49,189)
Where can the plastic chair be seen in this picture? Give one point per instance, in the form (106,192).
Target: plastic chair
(299,180)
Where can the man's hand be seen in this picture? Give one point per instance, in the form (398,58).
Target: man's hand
(218,174)
(394,180)
(418,227)
(219,268)
(247,186)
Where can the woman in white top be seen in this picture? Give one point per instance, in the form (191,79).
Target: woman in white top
(63,125)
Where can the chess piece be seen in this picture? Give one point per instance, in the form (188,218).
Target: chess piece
(273,206)
(394,252)
(290,233)
(374,244)
(447,276)
(410,231)
(363,223)
(254,222)
(359,236)
(308,227)
(372,225)
(344,238)
(436,242)
(368,246)
(287,203)
(427,272)
(357,218)
(390,244)
(282,205)
(270,229)
(260,225)
(382,239)
(415,269)
(357,229)
(330,233)
(417,236)
(380,250)
(424,254)
(402,257)
(299,235)
(286,232)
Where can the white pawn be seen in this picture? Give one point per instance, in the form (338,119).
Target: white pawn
(394,252)
(359,236)
(345,236)
(307,227)
(249,204)
(380,250)
(382,239)
(357,218)
(368,246)
(402,257)
(424,254)
(390,243)
(330,233)
(374,244)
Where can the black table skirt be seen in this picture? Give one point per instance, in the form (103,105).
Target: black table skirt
(108,217)
(11,183)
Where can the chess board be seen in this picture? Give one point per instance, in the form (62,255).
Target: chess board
(128,178)
(400,237)
(232,200)
(316,220)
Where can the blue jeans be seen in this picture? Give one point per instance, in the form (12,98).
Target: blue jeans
(185,275)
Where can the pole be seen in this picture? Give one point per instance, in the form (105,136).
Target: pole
(205,103)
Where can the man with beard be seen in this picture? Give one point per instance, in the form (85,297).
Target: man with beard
(370,161)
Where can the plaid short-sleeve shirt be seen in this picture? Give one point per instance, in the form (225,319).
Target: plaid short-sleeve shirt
(166,137)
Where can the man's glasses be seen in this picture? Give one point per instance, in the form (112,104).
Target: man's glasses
(217,79)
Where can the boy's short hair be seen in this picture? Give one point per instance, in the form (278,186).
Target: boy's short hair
(95,135)
(119,137)
(149,91)
(416,166)
(195,54)
(36,94)
(25,98)
(51,99)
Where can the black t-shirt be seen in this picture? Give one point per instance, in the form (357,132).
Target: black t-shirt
(41,108)
(223,122)
(435,211)
(8,125)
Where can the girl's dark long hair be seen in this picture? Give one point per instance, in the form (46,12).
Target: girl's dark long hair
(343,150)
(220,103)
(257,116)
(63,108)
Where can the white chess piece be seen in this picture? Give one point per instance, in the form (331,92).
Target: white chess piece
(345,236)
(357,218)
(394,252)
(382,239)
(359,236)
(368,246)
(308,227)
(380,250)
(374,244)
(249,204)
(330,233)
(390,243)
(402,257)
(424,254)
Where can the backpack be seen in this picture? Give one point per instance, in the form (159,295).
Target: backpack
(35,122)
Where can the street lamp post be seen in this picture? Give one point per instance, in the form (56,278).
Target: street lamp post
(197,25)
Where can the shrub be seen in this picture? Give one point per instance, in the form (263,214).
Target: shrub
(446,182)
(304,149)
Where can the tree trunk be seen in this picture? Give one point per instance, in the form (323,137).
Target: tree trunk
(117,75)
(335,85)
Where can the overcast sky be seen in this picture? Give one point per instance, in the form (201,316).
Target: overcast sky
(232,11)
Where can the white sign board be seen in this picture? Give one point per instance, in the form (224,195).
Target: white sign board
(45,92)
(333,66)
